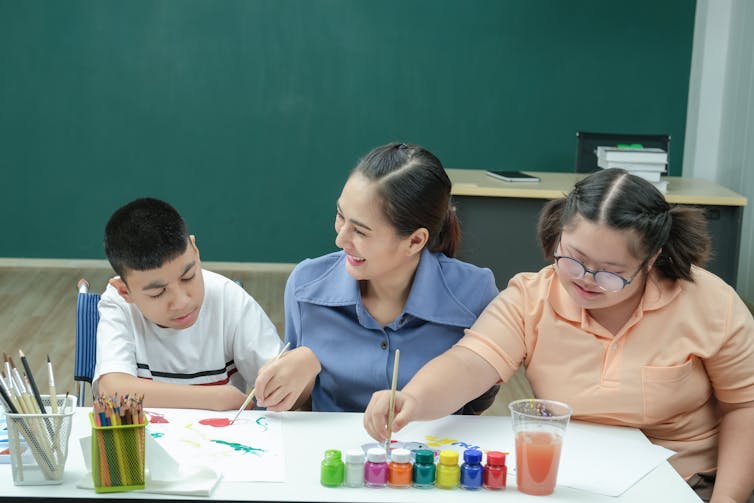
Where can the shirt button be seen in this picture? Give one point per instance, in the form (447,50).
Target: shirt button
(383,345)
(614,346)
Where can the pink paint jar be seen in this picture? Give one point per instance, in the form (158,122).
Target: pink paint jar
(375,469)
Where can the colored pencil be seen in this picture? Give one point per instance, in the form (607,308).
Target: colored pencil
(391,410)
(251,393)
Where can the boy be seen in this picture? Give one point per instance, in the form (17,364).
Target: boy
(165,322)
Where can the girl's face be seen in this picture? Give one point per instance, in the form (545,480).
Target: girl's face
(373,248)
(599,248)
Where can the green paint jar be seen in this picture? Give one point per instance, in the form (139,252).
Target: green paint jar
(424,469)
(332,469)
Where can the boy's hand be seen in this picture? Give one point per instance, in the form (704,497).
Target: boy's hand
(288,381)
(376,415)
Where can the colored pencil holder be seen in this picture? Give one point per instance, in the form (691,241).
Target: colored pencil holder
(38,443)
(117,456)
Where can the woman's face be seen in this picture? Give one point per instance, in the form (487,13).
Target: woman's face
(603,248)
(372,246)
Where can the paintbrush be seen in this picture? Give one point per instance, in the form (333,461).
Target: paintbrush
(53,393)
(391,410)
(251,393)
(32,383)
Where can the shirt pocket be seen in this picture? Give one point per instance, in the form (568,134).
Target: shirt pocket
(670,391)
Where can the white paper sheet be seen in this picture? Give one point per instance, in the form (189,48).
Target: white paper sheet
(249,450)
(608,460)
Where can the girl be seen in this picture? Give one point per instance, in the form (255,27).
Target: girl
(624,326)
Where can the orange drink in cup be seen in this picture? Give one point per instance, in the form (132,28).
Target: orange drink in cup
(539,426)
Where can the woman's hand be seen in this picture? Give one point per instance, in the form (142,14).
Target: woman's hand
(286,382)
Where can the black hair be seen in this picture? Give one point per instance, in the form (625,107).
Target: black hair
(415,190)
(624,201)
(143,235)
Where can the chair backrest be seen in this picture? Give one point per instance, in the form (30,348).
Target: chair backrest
(87,318)
(587,143)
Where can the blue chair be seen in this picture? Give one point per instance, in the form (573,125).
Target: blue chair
(87,317)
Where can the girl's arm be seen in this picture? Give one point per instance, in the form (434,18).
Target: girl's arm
(442,386)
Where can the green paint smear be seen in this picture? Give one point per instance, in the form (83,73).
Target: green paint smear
(262,422)
(240,447)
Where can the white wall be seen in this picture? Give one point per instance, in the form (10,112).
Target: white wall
(720,122)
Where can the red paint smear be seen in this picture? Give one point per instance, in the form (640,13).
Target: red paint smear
(217,422)
(156,418)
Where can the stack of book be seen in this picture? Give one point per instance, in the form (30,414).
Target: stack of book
(648,163)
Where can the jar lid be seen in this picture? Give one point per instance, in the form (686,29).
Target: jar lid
(472,456)
(400,456)
(448,457)
(496,458)
(424,456)
(354,456)
(376,455)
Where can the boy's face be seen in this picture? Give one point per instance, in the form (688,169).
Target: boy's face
(170,296)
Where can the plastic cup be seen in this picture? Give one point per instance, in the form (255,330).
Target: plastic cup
(539,427)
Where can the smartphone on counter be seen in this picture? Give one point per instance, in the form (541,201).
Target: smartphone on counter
(513,176)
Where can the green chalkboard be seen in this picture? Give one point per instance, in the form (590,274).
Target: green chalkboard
(248,115)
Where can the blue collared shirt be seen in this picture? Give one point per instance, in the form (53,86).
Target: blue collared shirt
(324,311)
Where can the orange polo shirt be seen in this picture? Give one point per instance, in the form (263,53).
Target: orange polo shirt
(685,344)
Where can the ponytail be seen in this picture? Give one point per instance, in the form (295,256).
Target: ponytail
(447,240)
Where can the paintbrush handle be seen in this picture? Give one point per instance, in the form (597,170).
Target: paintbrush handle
(391,409)
(251,394)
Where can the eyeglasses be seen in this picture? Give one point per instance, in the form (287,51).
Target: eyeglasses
(606,280)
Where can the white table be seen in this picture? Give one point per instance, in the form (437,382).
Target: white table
(308,434)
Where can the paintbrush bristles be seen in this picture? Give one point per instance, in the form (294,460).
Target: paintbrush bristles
(253,390)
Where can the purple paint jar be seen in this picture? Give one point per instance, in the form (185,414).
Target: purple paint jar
(375,469)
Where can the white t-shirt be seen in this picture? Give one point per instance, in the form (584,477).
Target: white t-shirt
(231,339)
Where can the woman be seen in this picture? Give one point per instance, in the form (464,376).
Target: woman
(624,326)
(393,286)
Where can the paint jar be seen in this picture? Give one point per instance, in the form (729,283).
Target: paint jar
(424,468)
(331,474)
(471,469)
(354,468)
(399,469)
(448,471)
(495,471)
(375,469)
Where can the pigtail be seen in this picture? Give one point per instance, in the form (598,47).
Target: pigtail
(549,226)
(688,243)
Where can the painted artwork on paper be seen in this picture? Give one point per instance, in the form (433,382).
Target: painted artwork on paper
(249,450)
